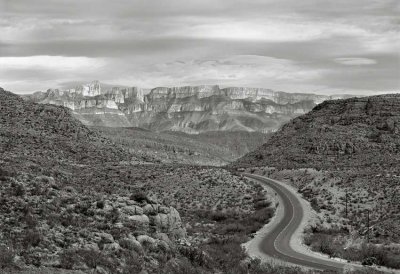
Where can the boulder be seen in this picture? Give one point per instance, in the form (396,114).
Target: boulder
(151,209)
(131,243)
(136,220)
(146,240)
(105,237)
(111,247)
(132,210)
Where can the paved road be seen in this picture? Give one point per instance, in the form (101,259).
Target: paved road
(276,243)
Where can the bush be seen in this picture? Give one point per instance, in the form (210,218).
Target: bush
(31,239)
(262,204)
(139,196)
(68,258)
(100,204)
(232,228)
(218,216)
(6,257)
(18,189)
(134,263)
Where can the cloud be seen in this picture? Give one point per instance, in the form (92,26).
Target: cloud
(286,44)
(60,63)
(27,74)
(355,61)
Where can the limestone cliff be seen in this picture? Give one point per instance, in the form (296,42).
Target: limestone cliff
(191,109)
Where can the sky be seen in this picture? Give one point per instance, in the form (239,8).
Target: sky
(315,46)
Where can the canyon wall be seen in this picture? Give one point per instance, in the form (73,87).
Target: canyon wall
(191,109)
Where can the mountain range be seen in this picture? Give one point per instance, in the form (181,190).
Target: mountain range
(191,109)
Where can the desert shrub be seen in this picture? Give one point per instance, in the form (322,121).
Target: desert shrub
(68,258)
(181,266)
(32,238)
(195,255)
(369,261)
(315,205)
(32,259)
(17,188)
(124,243)
(7,255)
(262,215)
(232,228)
(321,242)
(226,253)
(3,174)
(139,196)
(113,215)
(30,220)
(262,204)
(255,266)
(53,219)
(92,258)
(133,263)
(100,204)
(308,239)
(67,219)
(218,216)
(371,254)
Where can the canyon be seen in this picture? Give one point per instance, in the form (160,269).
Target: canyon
(190,109)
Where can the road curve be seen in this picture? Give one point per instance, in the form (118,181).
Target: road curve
(277,243)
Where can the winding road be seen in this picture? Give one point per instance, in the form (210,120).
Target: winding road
(276,243)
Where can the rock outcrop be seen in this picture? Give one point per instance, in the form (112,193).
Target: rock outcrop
(191,109)
(81,225)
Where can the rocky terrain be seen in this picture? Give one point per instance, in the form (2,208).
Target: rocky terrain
(344,157)
(72,201)
(191,109)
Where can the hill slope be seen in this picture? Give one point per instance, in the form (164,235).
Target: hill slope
(38,134)
(55,211)
(351,133)
(344,157)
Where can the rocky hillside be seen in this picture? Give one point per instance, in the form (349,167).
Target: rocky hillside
(344,157)
(33,134)
(352,133)
(191,109)
(72,201)
(52,217)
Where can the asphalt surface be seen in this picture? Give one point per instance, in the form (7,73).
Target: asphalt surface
(277,243)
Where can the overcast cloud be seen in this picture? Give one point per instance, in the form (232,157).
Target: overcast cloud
(316,46)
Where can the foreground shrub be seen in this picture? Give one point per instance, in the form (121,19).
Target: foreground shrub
(6,257)
(368,254)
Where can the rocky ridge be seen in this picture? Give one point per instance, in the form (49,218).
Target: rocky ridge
(191,109)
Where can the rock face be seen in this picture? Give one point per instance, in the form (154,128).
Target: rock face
(355,132)
(191,109)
